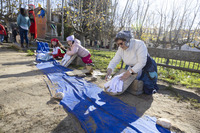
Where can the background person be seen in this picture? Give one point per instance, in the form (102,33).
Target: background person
(6,36)
(2,33)
(24,23)
(41,11)
(33,27)
(58,49)
(134,53)
(14,34)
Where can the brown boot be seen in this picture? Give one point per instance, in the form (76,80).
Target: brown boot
(136,88)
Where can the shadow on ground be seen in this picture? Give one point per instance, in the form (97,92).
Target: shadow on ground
(74,125)
(175,91)
(23,74)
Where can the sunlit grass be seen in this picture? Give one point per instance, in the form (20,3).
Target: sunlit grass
(190,80)
(30,52)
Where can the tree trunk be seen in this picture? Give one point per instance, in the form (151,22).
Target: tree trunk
(82,40)
(20,3)
(1,6)
(110,44)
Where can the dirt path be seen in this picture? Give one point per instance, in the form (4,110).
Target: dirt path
(25,104)
(24,97)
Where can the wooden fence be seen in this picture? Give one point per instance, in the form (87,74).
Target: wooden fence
(176,59)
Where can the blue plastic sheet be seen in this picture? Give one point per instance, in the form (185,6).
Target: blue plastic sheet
(97,111)
(42,47)
(42,52)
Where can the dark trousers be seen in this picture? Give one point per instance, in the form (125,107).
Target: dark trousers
(23,34)
(14,38)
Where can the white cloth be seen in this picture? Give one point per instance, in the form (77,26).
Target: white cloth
(115,85)
(135,55)
(70,38)
(55,50)
(24,27)
(65,59)
(44,56)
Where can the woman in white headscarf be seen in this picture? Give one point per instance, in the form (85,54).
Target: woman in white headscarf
(134,53)
(77,48)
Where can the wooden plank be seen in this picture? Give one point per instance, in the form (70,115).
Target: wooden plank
(78,72)
(70,60)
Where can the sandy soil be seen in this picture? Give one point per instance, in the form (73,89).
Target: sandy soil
(25,104)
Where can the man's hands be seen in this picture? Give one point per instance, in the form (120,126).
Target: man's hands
(109,72)
(125,76)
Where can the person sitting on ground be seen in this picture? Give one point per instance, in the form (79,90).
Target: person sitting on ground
(58,49)
(2,33)
(76,48)
(134,53)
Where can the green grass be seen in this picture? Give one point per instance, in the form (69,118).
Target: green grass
(101,59)
(30,52)
(173,76)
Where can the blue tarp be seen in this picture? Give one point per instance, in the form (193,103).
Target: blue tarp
(42,52)
(97,111)
(42,47)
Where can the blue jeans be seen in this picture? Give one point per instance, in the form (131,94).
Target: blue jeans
(23,34)
(1,38)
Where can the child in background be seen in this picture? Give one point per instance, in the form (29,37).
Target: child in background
(76,48)
(2,33)
(58,49)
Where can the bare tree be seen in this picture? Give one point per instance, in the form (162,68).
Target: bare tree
(118,19)
(140,17)
(85,16)
(178,28)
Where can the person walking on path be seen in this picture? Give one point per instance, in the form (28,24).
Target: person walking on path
(24,23)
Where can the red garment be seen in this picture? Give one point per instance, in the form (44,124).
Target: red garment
(87,59)
(59,54)
(33,27)
(56,50)
(2,30)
